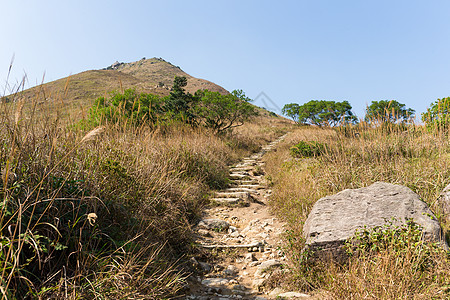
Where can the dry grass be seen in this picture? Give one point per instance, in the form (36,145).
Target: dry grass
(355,158)
(105,213)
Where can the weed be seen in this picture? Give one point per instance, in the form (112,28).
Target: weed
(307,149)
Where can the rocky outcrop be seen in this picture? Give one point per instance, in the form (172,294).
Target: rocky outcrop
(335,218)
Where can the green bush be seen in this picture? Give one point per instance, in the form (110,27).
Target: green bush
(128,106)
(437,117)
(307,149)
(209,109)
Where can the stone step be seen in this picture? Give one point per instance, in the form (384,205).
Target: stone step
(246,164)
(241,182)
(237,176)
(242,195)
(240,172)
(251,186)
(230,201)
(243,168)
(241,189)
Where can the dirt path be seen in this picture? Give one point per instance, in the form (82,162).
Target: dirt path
(244,237)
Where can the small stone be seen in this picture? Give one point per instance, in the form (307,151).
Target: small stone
(235,234)
(249,257)
(254,263)
(255,249)
(232,229)
(230,270)
(214,224)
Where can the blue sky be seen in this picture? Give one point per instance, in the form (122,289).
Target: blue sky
(293,51)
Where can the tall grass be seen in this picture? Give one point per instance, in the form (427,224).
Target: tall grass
(106,213)
(355,157)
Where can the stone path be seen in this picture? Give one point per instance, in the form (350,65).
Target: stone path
(244,236)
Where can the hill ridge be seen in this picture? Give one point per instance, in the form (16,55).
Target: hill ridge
(154,75)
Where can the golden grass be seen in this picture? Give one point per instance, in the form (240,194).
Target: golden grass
(104,213)
(355,158)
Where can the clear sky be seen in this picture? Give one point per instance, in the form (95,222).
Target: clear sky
(293,51)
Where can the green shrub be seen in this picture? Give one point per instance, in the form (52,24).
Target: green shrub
(128,106)
(437,117)
(307,149)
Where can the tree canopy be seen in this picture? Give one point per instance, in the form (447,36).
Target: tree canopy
(210,109)
(321,113)
(438,115)
(391,111)
(222,112)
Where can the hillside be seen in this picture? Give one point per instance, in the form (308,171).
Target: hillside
(109,208)
(153,75)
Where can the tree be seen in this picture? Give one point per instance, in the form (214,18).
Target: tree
(292,110)
(180,104)
(438,115)
(321,113)
(222,112)
(385,111)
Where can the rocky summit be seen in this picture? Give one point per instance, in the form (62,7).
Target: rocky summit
(334,219)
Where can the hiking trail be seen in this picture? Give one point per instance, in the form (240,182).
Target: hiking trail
(244,236)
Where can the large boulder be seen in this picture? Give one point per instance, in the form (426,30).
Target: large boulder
(334,219)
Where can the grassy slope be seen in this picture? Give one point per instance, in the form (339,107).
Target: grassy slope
(106,213)
(415,158)
(78,91)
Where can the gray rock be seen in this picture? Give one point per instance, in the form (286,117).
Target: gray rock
(268,266)
(231,270)
(214,224)
(334,219)
(215,282)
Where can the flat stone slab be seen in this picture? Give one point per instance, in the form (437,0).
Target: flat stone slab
(295,295)
(242,195)
(230,201)
(215,282)
(334,219)
(241,189)
(251,186)
(214,224)
(237,176)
